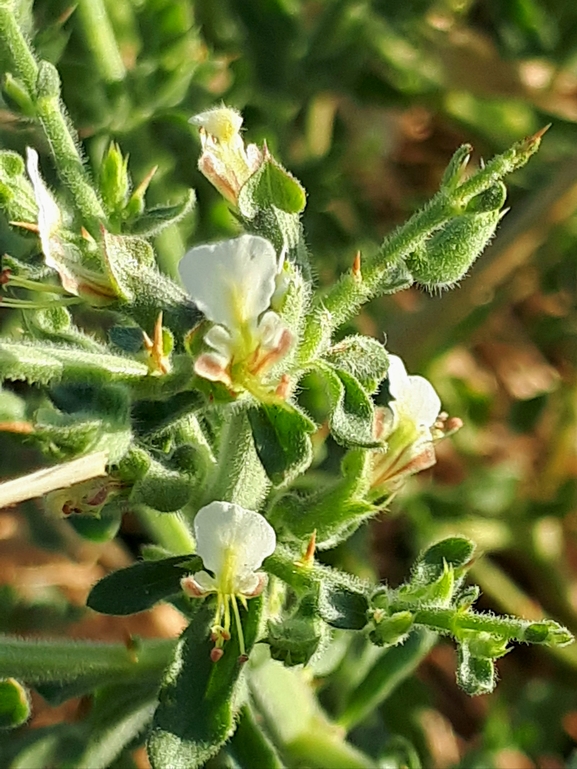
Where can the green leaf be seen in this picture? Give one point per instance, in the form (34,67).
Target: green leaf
(42,363)
(281,438)
(342,607)
(361,356)
(453,551)
(351,416)
(138,587)
(154,220)
(14,704)
(250,746)
(196,712)
(101,528)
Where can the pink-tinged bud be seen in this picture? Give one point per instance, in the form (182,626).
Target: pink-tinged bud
(210,366)
(242,659)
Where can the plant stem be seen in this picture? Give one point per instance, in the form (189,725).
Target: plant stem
(101,39)
(169,530)
(36,661)
(15,43)
(50,112)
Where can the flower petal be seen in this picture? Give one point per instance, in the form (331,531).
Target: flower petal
(220,340)
(422,401)
(397,376)
(49,218)
(221,122)
(232,282)
(222,528)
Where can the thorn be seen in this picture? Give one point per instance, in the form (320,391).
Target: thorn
(357,267)
(86,235)
(5,276)
(143,186)
(309,555)
(30,226)
(540,133)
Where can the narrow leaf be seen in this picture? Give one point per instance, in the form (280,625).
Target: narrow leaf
(138,587)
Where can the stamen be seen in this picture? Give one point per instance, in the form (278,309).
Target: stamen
(238,626)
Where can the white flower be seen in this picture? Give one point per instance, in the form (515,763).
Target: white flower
(225,161)
(233,283)
(233,543)
(59,251)
(415,399)
(410,425)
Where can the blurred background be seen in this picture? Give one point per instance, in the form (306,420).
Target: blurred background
(364,101)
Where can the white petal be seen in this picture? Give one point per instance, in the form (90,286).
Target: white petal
(49,218)
(270,330)
(421,401)
(212,366)
(232,282)
(204,581)
(221,528)
(220,340)
(397,376)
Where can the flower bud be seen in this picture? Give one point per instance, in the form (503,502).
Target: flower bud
(448,255)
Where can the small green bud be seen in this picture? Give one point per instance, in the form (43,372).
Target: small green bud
(391,630)
(294,640)
(162,489)
(18,95)
(468,597)
(114,180)
(483,644)
(475,675)
(448,254)
(134,465)
(14,704)
(548,632)
(48,82)
(454,172)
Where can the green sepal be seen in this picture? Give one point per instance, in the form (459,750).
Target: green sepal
(475,675)
(392,630)
(293,640)
(114,181)
(281,438)
(17,95)
(453,174)
(351,415)
(361,356)
(14,704)
(333,512)
(163,489)
(271,186)
(399,753)
(448,254)
(144,290)
(483,644)
(140,586)
(196,711)
(16,193)
(154,220)
(54,324)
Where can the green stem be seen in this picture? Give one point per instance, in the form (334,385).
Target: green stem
(50,112)
(169,530)
(15,43)
(450,621)
(101,39)
(391,669)
(343,300)
(36,661)
(240,477)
